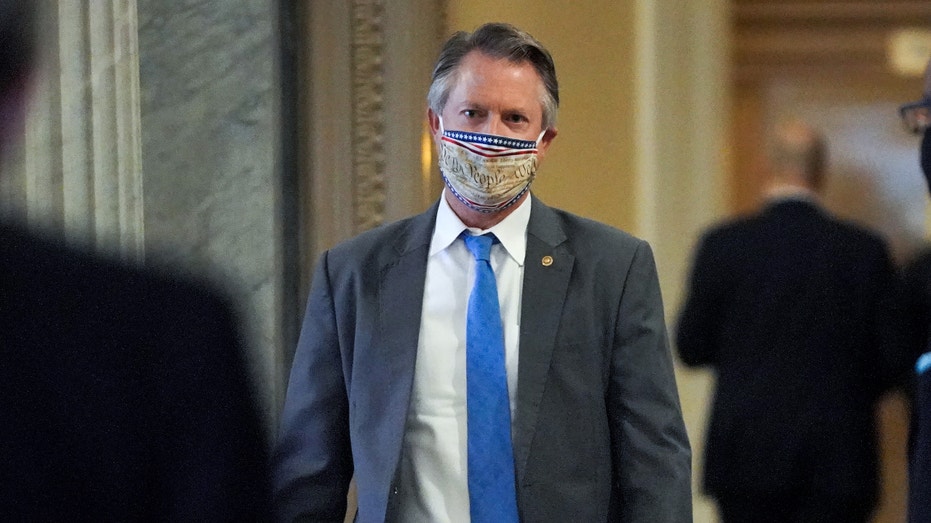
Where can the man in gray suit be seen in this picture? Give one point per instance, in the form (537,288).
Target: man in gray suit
(384,378)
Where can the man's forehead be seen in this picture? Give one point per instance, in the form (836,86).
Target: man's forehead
(478,59)
(478,70)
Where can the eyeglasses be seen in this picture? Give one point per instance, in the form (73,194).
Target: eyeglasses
(916,116)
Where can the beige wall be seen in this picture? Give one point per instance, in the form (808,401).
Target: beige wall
(589,169)
(642,127)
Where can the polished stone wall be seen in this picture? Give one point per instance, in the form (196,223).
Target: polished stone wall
(210,103)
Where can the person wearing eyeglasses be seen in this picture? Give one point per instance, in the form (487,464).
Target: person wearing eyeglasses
(917,118)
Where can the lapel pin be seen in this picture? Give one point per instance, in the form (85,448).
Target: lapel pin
(547,261)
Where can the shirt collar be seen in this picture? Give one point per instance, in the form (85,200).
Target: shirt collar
(511,231)
(783,193)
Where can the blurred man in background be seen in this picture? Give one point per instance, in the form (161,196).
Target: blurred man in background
(123,394)
(794,311)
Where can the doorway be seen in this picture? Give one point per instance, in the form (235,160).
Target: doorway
(828,63)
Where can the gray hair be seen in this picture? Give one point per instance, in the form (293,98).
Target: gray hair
(497,40)
(799,148)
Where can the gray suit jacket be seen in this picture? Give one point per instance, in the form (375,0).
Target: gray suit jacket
(599,434)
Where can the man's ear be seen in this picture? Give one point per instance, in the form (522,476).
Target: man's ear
(545,141)
(434,121)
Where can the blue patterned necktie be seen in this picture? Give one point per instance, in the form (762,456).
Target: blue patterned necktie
(492,493)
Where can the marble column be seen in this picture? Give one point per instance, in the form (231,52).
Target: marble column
(78,171)
(212,163)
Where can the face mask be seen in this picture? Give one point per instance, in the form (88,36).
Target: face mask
(487,173)
(926,155)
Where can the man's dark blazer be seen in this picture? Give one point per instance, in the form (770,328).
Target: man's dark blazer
(123,394)
(919,471)
(598,430)
(796,313)
(917,276)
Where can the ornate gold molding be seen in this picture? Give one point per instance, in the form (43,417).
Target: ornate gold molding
(368,154)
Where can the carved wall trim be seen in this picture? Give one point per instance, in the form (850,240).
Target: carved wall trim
(363,69)
(368,141)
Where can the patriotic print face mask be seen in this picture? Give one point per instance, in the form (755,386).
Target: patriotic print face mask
(486,172)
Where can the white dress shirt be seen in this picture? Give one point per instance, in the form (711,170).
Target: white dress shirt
(433,481)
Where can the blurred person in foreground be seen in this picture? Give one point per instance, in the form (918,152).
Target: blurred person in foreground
(795,311)
(917,118)
(492,359)
(123,393)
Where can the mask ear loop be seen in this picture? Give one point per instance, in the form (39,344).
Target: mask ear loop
(442,131)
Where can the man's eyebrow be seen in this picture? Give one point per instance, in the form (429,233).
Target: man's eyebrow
(473,104)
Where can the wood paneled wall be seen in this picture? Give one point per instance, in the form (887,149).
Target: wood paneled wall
(818,36)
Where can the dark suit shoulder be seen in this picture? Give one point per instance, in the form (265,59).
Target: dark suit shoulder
(390,239)
(606,250)
(589,235)
(138,361)
(796,224)
(600,230)
(61,303)
(918,268)
(846,229)
(65,280)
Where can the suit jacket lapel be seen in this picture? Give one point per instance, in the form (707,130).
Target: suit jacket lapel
(544,292)
(547,268)
(402,282)
(401,285)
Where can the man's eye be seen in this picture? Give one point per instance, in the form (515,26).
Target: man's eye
(470,113)
(516,118)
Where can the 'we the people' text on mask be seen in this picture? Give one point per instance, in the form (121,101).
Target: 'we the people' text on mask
(486,172)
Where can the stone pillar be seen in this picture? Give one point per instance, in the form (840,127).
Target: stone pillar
(212,137)
(78,172)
